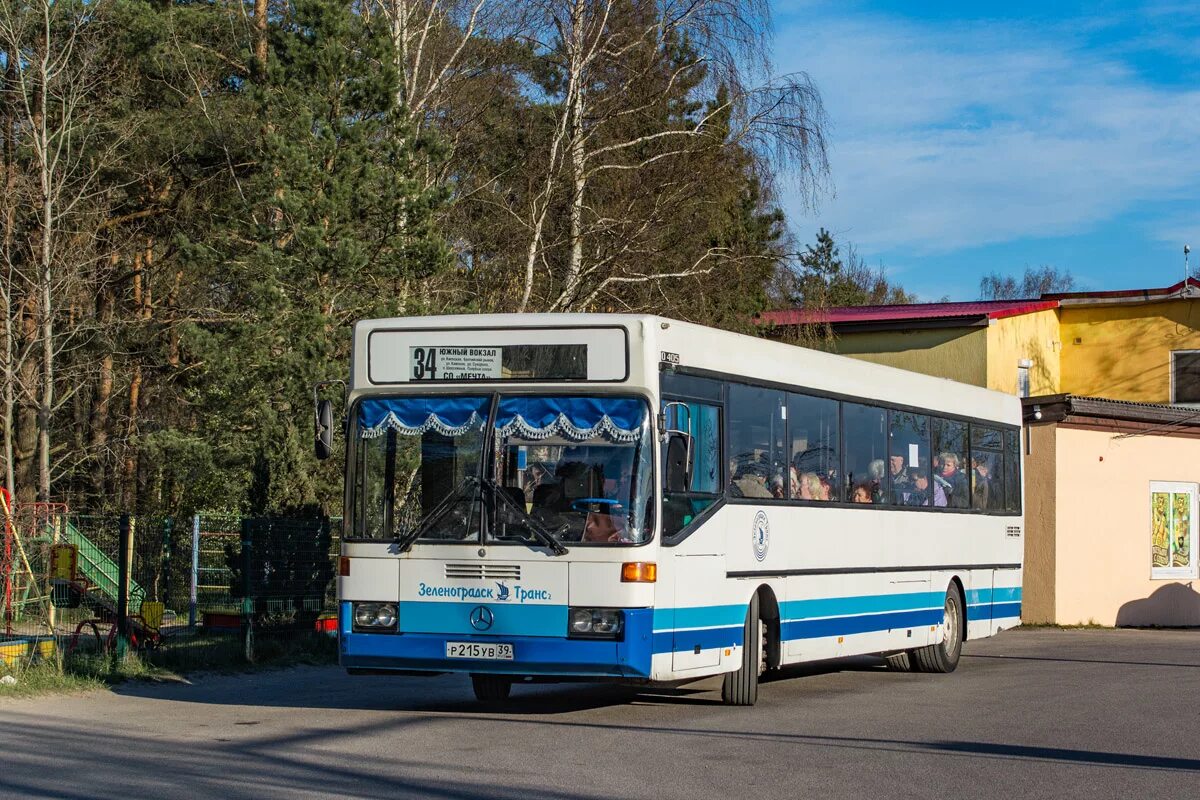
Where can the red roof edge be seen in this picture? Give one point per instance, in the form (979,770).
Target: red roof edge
(1172,289)
(1026,307)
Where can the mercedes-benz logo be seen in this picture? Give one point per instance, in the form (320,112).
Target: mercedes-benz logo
(481,618)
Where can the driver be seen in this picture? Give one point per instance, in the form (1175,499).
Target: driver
(603,526)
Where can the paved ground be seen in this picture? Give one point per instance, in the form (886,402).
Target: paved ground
(1042,713)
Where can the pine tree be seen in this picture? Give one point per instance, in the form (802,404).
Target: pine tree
(335,227)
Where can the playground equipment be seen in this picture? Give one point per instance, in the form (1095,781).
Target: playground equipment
(81,574)
(20,583)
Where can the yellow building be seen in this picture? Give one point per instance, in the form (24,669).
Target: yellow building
(1111,382)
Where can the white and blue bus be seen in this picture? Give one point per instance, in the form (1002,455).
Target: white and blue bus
(625,497)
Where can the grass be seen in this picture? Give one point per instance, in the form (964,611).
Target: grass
(171,661)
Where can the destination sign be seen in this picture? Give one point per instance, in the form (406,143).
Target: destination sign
(455,363)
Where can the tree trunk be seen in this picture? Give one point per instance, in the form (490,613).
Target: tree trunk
(25,445)
(260,36)
(98,420)
(8,219)
(131,448)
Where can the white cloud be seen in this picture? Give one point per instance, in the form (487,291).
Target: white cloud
(952,136)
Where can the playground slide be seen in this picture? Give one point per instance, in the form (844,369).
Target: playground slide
(101,572)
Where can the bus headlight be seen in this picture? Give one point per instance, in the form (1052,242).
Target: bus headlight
(603,623)
(376,616)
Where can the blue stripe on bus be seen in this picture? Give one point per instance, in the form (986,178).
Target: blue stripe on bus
(704,638)
(554,654)
(864,604)
(993,611)
(1001,595)
(867,623)
(418,616)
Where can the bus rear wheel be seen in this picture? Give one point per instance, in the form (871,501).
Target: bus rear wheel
(491,688)
(943,656)
(740,687)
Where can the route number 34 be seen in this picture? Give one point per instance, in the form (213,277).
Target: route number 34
(424,363)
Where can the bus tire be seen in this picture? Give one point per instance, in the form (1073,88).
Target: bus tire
(491,688)
(900,662)
(943,656)
(740,687)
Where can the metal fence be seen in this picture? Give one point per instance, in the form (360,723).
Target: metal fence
(204,592)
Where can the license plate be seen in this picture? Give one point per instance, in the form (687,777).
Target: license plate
(490,651)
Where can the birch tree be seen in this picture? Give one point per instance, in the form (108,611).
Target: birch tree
(52,82)
(599,56)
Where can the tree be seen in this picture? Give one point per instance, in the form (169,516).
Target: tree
(1034,283)
(619,85)
(336,226)
(822,279)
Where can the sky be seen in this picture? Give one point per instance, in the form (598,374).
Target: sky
(976,137)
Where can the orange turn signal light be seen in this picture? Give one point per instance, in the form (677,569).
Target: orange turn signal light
(639,572)
(344,566)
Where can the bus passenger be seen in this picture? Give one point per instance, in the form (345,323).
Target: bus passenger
(899,478)
(862,494)
(811,487)
(953,481)
(877,469)
(750,480)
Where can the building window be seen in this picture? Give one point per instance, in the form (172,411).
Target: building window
(1185,376)
(1173,530)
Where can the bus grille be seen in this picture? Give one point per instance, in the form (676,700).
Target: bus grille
(483,572)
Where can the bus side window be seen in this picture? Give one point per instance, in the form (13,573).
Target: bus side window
(815,448)
(757,458)
(703,422)
(987,468)
(950,465)
(1012,471)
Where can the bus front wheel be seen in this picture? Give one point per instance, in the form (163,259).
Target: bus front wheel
(491,688)
(943,656)
(740,687)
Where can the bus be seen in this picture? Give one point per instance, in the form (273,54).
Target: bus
(542,497)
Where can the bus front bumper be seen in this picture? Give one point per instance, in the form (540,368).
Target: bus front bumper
(628,657)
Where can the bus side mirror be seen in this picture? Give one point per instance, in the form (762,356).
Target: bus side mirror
(323,443)
(679,462)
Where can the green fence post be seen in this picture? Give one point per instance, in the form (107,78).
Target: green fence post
(247,598)
(125,569)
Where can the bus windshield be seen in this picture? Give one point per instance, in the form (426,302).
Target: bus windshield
(578,468)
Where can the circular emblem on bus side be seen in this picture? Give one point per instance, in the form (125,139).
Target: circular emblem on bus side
(761,533)
(481,618)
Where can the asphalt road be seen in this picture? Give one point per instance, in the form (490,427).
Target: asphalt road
(1037,713)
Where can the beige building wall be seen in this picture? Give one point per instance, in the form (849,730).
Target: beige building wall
(956,353)
(1102,521)
(1041,487)
(1026,336)
(1124,352)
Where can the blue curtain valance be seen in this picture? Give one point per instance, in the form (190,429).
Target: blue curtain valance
(574,418)
(413,416)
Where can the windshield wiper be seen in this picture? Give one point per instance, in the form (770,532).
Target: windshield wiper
(406,541)
(531,523)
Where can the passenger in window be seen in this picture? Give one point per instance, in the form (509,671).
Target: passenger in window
(794,482)
(899,478)
(750,479)
(981,483)
(952,481)
(812,488)
(861,494)
(918,493)
(777,486)
(877,470)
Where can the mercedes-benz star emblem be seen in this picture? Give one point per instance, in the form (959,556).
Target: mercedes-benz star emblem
(481,618)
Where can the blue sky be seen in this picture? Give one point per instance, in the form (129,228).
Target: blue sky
(973,137)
